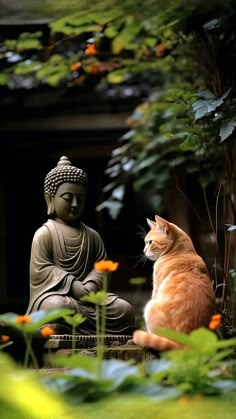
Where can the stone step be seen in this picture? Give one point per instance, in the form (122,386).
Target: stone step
(83,341)
(123,352)
(115,347)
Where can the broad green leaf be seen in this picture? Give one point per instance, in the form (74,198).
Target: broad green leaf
(149,41)
(4,78)
(205,95)
(25,44)
(230,227)
(74,24)
(139,280)
(76,360)
(74,320)
(97,298)
(211,24)
(27,67)
(118,193)
(118,44)
(37,319)
(158,369)
(117,76)
(54,79)
(203,339)
(175,336)
(113,206)
(24,393)
(111,31)
(119,371)
(226,130)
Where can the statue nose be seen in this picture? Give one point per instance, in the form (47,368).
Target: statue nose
(74,202)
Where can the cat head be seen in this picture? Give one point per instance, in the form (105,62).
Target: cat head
(160,238)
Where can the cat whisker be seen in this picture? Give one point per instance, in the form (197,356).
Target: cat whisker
(141,259)
(142,232)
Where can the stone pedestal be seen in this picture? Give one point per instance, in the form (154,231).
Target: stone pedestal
(83,341)
(115,347)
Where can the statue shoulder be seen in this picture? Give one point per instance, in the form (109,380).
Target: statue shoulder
(43,233)
(93,233)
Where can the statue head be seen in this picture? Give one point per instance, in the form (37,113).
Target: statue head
(65,189)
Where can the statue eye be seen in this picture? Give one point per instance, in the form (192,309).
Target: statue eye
(66,197)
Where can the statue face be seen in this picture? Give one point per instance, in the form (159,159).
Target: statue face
(69,202)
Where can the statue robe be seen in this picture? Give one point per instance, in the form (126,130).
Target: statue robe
(61,254)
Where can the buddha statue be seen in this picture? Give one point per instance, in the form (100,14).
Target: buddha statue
(64,251)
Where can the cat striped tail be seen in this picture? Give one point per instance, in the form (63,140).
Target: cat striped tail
(150,340)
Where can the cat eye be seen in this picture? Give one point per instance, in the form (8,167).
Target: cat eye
(149,242)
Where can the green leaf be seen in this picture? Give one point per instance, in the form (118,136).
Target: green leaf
(157,368)
(227,129)
(119,371)
(4,345)
(190,143)
(77,360)
(211,24)
(230,227)
(139,280)
(38,319)
(74,320)
(97,298)
(74,25)
(150,41)
(112,205)
(175,336)
(4,78)
(117,76)
(27,67)
(111,31)
(26,44)
(203,340)
(204,106)
(207,95)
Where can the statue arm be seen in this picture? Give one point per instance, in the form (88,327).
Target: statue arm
(44,274)
(93,281)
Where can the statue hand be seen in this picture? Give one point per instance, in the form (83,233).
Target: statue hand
(77,290)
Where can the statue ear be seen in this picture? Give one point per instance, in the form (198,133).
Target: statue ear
(50,203)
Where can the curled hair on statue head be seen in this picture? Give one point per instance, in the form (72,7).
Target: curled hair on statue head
(63,172)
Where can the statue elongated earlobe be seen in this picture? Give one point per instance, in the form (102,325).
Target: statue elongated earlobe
(50,203)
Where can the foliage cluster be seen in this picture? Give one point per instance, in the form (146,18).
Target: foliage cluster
(205,368)
(188,122)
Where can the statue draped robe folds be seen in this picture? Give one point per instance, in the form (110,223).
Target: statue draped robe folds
(61,254)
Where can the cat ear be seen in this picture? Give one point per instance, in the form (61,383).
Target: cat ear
(151,223)
(162,224)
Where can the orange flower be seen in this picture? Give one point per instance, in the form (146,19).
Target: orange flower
(215,321)
(160,50)
(106,266)
(75,67)
(5,338)
(94,69)
(23,319)
(91,50)
(47,331)
(79,80)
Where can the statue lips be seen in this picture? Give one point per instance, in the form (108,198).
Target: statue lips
(74,211)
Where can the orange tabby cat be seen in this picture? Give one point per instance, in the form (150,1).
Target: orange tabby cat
(183,298)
